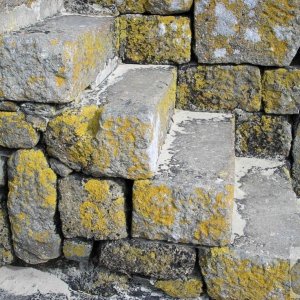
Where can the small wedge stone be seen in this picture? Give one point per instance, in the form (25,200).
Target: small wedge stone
(158,260)
(51,62)
(3,171)
(190,198)
(59,168)
(259,263)
(77,250)
(32,204)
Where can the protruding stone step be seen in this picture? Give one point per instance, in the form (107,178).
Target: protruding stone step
(266,228)
(118,130)
(53,61)
(15,14)
(148,258)
(190,199)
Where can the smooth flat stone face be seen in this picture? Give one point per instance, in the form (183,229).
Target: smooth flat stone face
(266,227)
(259,32)
(16,14)
(118,130)
(190,198)
(53,61)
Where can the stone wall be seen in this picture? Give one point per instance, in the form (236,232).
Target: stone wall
(71,187)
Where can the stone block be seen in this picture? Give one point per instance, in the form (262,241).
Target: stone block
(77,249)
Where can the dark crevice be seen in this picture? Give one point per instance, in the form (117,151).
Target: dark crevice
(296,59)
(129,206)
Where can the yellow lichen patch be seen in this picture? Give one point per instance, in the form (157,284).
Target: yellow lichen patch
(132,6)
(181,288)
(60,81)
(71,249)
(154,202)
(1,94)
(98,189)
(219,222)
(226,273)
(39,236)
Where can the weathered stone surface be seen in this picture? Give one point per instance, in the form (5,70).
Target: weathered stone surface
(6,251)
(15,14)
(3,171)
(266,227)
(176,205)
(38,123)
(51,62)
(158,260)
(219,88)
(16,132)
(119,131)
(155,39)
(181,288)
(59,168)
(92,208)
(281,91)
(296,160)
(32,206)
(263,135)
(8,106)
(77,249)
(257,32)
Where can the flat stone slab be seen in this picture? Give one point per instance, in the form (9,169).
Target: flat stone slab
(15,14)
(266,228)
(53,61)
(119,128)
(190,198)
(257,32)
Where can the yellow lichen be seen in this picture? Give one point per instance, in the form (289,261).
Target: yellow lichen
(98,189)
(71,249)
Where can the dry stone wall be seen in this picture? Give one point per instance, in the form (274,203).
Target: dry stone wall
(120,121)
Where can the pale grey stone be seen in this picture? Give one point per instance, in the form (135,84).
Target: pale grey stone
(60,168)
(3,171)
(77,249)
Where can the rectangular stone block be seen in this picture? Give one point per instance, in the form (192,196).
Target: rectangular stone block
(77,249)
(92,208)
(54,61)
(16,14)
(119,128)
(155,39)
(158,260)
(256,32)
(262,262)
(281,91)
(219,88)
(190,198)
(264,136)
(3,171)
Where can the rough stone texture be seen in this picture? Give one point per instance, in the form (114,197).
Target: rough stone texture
(3,171)
(51,62)
(281,91)
(181,288)
(266,227)
(190,199)
(118,131)
(296,160)
(59,168)
(6,251)
(92,208)
(8,106)
(15,14)
(32,206)
(77,250)
(16,132)
(155,39)
(247,31)
(219,88)
(263,135)
(158,260)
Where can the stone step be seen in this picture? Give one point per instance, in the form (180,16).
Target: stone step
(55,60)
(15,14)
(118,129)
(190,199)
(265,242)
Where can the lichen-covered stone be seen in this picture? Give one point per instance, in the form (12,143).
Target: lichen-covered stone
(6,250)
(38,123)
(77,249)
(155,39)
(15,14)
(219,88)
(59,168)
(187,288)
(247,31)
(158,260)
(175,205)
(263,135)
(32,204)
(266,228)
(92,208)
(281,91)
(16,132)
(51,62)
(3,171)
(122,135)
(8,106)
